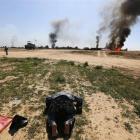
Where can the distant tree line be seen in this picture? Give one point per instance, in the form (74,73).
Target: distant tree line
(31,46)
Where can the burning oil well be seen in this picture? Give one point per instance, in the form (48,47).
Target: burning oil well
(119,22)
(58,27)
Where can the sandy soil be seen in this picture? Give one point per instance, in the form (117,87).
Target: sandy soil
(106,121)
(101,58)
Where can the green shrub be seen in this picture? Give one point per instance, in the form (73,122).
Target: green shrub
(128,127)
(99,67)
(60,79)
(137,109)
(57,77)
(71,63)
(86,64)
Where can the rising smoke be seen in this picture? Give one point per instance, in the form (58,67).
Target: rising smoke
(120,21)
(13,40)
(58,27)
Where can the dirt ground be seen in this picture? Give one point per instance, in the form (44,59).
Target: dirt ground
(105,120)
(131,65)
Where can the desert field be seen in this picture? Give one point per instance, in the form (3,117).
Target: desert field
(109,85)
(125,61)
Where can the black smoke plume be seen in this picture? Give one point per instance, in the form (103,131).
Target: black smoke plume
(123,16)
(57,29)
(97,41)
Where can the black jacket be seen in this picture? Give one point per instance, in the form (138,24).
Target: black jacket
(64,101)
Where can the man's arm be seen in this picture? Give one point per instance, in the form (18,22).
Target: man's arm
(48,102)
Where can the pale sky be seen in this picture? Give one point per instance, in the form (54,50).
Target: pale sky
(24,20)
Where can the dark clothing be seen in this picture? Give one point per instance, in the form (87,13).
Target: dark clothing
(6,50)
(59,119)
(63,103)
(61,108)
(18,122)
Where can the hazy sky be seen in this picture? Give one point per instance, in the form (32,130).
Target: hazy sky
(23,20)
